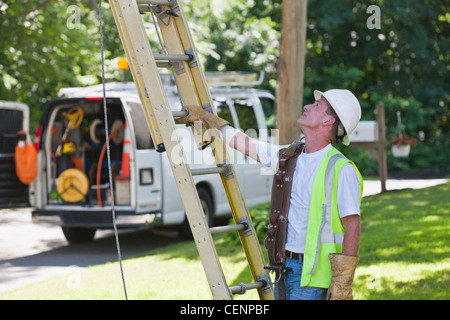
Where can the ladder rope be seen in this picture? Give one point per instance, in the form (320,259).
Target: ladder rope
(113,210)
(174,78)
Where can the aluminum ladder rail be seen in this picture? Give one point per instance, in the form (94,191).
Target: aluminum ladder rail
(193,90)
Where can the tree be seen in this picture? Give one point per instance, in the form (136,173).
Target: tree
(47,45)
(405,64)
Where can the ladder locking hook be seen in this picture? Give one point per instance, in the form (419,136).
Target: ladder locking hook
(169,14)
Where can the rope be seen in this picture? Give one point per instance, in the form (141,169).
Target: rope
(108,153)
(163,49)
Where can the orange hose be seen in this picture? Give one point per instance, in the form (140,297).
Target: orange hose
(99,167)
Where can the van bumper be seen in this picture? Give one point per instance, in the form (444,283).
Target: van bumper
(96,219)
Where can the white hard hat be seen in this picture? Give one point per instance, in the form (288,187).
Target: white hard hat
(346,106)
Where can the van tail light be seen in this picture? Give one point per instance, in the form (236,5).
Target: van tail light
(94,98)
(37,137)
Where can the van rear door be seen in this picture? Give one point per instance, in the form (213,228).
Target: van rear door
(145,161)
(14,117)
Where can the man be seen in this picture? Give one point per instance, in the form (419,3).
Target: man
(314,230)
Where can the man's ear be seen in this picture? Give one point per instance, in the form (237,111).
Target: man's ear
(329,121)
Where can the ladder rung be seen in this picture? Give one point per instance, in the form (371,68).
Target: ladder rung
(224,169)
(173,57)
(201,171)
(233,227)
(156,2)
(179,114)
(241,288)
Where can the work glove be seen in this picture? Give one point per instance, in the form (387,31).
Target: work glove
(342,273)
(208,119)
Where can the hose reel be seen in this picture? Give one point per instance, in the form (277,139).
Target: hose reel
(97,131)
(73,118)
(73,185)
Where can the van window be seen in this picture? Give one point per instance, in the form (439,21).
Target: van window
(223,110)
(10,123)
(247,117)
(140,126)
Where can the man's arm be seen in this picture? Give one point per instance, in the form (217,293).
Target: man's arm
(352,235)
(349,197)
(233,137)
(244,144)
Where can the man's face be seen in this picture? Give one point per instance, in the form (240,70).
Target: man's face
(314,115)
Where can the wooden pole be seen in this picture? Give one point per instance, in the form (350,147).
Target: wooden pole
(291,69)
(382,164)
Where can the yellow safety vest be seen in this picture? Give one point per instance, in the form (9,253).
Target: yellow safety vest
(325,232)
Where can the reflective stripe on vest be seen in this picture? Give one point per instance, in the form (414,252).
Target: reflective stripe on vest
(325,231)
(325,234)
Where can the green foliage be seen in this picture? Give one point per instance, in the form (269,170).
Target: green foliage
(237,35)
(49,45)
(405,64)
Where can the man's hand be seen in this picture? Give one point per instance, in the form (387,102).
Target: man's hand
(342,273)
(208,119)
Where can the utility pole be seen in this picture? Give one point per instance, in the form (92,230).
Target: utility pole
(291,69)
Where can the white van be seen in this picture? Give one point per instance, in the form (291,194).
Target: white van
(71,136)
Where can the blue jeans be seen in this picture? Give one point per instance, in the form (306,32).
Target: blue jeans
(292,284)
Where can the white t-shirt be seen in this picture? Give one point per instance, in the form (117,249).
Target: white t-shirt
(348,193)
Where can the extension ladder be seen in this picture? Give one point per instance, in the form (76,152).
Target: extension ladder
(181,56)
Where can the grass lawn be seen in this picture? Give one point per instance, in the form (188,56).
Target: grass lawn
(405,245)
(404,254)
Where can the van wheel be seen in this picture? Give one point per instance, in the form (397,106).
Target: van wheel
(184,231)
(78,235)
